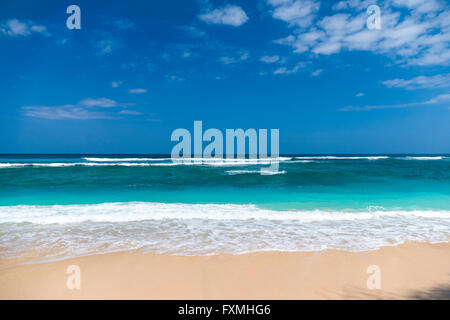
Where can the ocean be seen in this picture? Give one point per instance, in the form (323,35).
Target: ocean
(60,206)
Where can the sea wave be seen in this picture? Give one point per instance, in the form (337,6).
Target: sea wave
(62,231)
(132,164)
(154,163)
(124,159)
(185,159)
(234,159)
(264,172)
(214,162)
(139,211)
(74,164)
(341,158)
(423,158)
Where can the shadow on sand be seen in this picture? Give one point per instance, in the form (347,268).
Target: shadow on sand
(440,292)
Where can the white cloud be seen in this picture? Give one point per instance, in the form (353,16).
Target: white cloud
(436,81)
(421,6)
(316,73)
(438,100)
(328,48)
(294,69)
(229,15)
(38,28)
(189,54)
(269,59)
(105,46)
(174,77)
(360,94)
(228,60)
(238,57)
(186,54)
(353,4)
(137,90)
(420,36)
(99,102)
(433,58)
(121,24)
(15,27)
(131,112)
(193,31)
(83,110)
(295,12)
(289,40)
(104,43)
(180,50)
(62,112)
(62,42)
(116,84)
(244,56)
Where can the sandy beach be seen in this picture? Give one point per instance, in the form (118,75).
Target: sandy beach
(408,271)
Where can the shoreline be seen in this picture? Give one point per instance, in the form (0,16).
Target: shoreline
(408,271)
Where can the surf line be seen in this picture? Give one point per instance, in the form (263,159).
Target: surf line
(257,145)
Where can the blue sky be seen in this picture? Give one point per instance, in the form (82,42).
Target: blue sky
(137,70)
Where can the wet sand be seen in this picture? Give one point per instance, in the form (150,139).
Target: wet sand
(409,271)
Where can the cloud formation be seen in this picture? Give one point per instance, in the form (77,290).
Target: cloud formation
(15,28)
(121,24)
(420,82)
(131,112)
(229,15)
(104,43)
(437,100)
(238,57)
(193,31)
(98,102)
(269,59)
(137,90)
(316,73)
(116,84)
(419,35)
(294,69)
(62,113)
(83,110)
(295,12)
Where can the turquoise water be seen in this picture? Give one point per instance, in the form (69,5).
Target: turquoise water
(394,182)
(313,202)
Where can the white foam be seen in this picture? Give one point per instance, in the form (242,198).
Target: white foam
(422,158)
(232,160)
(225,162)
(124,159)
(73,164)
(341,158)
(203,229)
(156,162)
(10,165)
(302,161)
(263,172)
(186,159)
(236,163)
(139,211)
